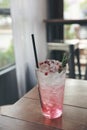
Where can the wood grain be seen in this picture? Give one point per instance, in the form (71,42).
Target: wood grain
(7,123)
(26,113)
(75,93)
(33,93)
(29,110)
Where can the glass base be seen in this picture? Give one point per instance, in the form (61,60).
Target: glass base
(57,114)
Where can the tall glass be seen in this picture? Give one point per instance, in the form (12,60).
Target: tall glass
(51,91)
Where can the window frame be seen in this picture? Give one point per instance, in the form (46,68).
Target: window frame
(55,22)
(5,12)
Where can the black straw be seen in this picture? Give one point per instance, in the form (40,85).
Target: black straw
(35,53)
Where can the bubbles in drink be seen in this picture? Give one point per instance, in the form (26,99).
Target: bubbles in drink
(52,101)
(51,86)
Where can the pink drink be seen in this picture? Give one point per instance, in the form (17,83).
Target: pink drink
(51,88)
(52,100)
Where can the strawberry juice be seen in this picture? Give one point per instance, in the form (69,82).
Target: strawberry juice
(51,82)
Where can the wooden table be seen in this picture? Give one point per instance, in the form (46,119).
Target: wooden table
(71,46)
(26,114)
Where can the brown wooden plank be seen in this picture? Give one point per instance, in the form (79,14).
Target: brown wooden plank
(73,118)
(28,109)
(75,93)
(7,123)
(66,21)
(33,93)
(4,108)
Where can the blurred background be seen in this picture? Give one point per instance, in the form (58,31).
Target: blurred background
(18,20)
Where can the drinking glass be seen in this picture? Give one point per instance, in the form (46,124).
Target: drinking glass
(51,92)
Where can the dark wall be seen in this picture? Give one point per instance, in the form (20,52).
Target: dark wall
(55,11)
(55,30)
(8,86)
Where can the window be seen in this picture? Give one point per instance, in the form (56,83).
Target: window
(75,9)
(6,42)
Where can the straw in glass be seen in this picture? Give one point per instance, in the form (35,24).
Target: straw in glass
(34,47)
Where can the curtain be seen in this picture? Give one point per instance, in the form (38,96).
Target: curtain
(27,19)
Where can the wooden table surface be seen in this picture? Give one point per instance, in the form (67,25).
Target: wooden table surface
(26,114)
